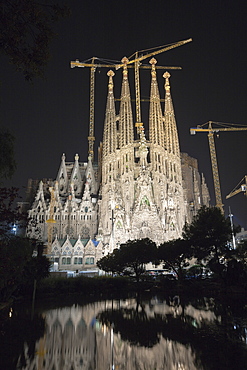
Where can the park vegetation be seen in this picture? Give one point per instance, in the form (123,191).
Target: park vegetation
(204,251)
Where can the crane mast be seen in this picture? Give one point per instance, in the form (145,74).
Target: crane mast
(215,171)
(211,130)
(91,137)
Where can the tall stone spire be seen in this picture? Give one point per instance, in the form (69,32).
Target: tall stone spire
(171,134)
(110,130)
(156,130)
(125,113)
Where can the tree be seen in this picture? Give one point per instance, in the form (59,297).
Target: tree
(111,263)
(176,254)
(18,266)
(136,254)
(131,258)
(7,161)
(208,234)
(26,33)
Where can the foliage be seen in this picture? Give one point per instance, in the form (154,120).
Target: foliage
(7,161)
(131,258)
(111,263)
(208,234)
(15,252)
(9,213)
(26,33)
(175,255)
(18,266)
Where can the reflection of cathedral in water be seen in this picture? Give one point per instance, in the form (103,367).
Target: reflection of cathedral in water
(76,339)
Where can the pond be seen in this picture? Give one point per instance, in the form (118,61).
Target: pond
(152,333)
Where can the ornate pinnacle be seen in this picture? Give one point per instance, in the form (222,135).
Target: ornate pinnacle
(167,75)
(125,62)
(110,74)
(153,61)
(76,157)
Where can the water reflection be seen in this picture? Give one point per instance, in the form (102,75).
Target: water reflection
(134,334)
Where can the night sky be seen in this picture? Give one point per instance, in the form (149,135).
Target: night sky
(51,116)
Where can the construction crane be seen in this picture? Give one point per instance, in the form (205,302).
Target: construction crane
(50,222)
(239,188)
(137,66)
(207,127)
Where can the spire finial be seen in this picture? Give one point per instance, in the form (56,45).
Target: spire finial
(125,70)
(167,75)
(110,74)
(76,157)
(153,61)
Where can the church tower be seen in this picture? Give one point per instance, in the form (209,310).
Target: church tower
(142,191)
(141,187)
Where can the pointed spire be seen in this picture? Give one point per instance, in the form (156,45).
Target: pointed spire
(125,113)
(171,134)
(110,130)
(156,130)
(76,179)
(62,176)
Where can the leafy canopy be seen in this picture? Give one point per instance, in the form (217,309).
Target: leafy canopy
(130,258)
(26,32)
(208,233)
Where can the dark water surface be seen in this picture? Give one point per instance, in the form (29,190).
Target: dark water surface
(129,334)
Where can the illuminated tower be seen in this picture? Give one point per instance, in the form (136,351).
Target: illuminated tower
(142,191)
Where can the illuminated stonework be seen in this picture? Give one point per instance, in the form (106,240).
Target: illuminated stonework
(141,187)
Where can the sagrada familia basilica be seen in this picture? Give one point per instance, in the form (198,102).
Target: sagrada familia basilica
(141,186)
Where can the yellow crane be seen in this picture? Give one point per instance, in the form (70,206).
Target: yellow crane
(50,222)
(93,65)
(239,188)
(218,127)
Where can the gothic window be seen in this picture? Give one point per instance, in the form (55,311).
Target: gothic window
(77,260)
(89,261)
(119,225)
(167,173)
(69,231)
(54,231)
(172,226)
(85,232)
(145,201)
(66,261)
(86,209)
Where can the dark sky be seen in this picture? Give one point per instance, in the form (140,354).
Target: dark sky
(51,116)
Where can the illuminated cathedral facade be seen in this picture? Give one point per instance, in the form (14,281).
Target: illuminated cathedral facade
(141,186)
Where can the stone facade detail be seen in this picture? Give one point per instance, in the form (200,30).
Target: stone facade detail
(142,186)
